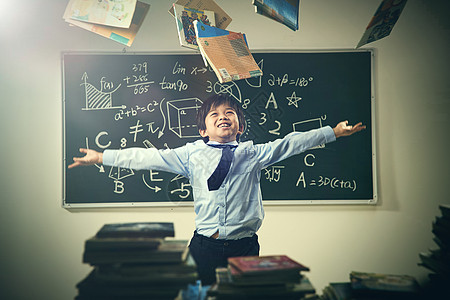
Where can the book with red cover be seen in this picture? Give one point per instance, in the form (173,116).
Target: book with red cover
(253,265)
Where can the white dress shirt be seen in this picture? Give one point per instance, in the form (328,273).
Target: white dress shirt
(235,209)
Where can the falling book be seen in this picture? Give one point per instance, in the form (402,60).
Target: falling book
(226,52)
(252,265)
(124,36)
(222,18)
(103,12)
(383,21)
(282,11)
(146,229)
(185,17)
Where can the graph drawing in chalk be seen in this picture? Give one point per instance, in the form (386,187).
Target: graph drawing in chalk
(97,99)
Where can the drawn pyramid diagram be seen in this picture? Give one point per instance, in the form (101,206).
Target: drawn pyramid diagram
(120,173)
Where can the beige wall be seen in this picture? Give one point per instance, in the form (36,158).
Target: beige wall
(42,243)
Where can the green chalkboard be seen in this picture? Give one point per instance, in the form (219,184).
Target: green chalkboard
(122,100)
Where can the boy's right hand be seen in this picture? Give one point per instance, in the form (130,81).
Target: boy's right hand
(92,157)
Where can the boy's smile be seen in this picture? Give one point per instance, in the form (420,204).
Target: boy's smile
(222,124)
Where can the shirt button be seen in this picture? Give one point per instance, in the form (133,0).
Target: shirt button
(221,223)
(225,244)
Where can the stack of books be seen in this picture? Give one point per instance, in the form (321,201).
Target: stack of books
(373,286)
(136,261)
(261,277)
(438,260)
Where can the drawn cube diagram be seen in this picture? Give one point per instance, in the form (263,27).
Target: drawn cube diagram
(182,115)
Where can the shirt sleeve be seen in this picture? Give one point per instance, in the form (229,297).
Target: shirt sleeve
(292,144)
(168,160)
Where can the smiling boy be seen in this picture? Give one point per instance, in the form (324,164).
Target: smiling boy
(224,175)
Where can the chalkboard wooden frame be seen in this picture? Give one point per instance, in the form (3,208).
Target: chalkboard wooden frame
(275,79)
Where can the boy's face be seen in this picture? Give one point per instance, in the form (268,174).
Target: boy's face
(222,124)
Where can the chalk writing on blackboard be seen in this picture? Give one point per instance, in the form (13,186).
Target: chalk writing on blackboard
(98,98)
(273,173)
(308,125)
(138,81)
(182,115)
(151,101)
(293,99)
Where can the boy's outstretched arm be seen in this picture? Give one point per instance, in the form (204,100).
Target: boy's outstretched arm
(343,129)
(92,157)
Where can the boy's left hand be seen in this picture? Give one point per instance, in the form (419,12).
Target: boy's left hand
(343,129)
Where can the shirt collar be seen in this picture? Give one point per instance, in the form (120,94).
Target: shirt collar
(233,143)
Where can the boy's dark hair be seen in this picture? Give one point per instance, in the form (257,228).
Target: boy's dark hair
(214,101)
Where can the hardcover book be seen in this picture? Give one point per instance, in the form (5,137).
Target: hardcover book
(237,278)
(171,251)
(146,271)
(251,265)
(268,291)
(382,284)
(445,210)
(148,229)
(182,273)
(92,287)
(121,243)
(340,290)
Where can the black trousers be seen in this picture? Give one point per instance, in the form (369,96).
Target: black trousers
(210,253)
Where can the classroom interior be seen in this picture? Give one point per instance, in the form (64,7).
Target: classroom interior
(42,243)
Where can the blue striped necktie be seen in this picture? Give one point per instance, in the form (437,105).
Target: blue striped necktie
(216,179)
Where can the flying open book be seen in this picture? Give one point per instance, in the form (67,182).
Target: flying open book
(227,53)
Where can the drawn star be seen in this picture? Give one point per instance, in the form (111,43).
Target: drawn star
(293,99)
